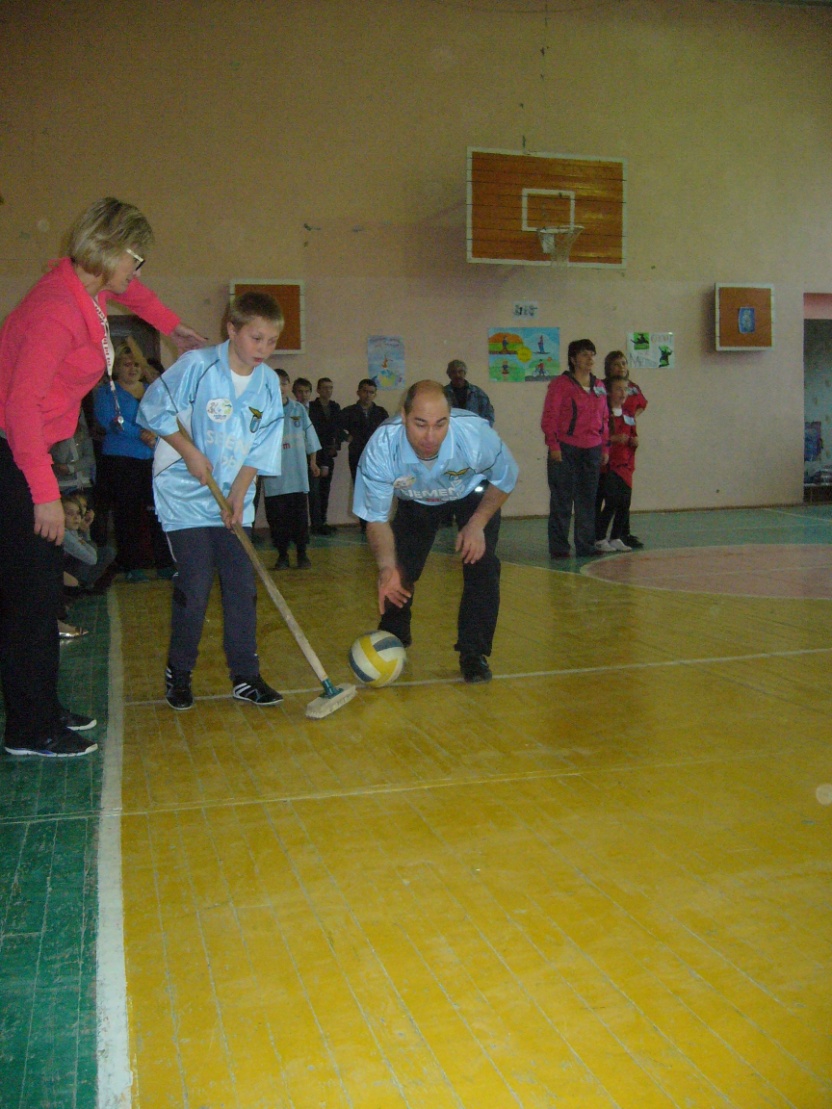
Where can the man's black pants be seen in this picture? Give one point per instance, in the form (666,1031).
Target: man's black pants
(414,527)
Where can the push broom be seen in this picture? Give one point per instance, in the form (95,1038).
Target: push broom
(333,697)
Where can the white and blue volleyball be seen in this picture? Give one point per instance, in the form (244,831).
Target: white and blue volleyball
(377,658)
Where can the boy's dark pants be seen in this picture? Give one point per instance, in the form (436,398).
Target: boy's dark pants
(414,527)
(199,552)
(288,516)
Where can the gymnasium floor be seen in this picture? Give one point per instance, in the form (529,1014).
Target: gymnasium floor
(603,880)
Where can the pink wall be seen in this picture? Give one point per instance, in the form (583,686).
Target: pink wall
(817,306)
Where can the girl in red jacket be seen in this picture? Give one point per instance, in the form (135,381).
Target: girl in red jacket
(574,424)
(615,489)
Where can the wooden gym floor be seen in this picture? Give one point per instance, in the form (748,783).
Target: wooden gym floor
(601,881)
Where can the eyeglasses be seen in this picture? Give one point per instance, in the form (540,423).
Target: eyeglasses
(138,259)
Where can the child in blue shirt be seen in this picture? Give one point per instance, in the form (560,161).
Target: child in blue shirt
(287,496)
(226,397)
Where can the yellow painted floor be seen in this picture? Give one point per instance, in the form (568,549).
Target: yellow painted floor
(603,880)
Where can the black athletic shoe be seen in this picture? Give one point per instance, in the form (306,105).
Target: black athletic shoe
(475,668)
(76,721)
(633,542)
(65,744)
(303,562)
(178,689)
(255,690)
(282,563)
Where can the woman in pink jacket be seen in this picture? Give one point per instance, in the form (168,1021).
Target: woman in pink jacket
(574,424)
(54,347)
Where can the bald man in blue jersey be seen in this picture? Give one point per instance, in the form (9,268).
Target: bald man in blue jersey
(428,458)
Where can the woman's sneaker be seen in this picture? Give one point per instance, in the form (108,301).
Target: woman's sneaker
(255,690)
(604,546)
(64,745)
(178,689)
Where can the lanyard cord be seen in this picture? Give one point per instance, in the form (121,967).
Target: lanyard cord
(109,358)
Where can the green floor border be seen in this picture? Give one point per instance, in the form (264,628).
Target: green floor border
(49,898)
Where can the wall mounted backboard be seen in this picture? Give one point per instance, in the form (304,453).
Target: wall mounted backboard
(511,194)
(289,295)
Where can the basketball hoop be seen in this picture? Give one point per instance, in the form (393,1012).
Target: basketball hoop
(557,242)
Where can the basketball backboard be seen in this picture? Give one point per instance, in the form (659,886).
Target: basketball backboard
(512,194)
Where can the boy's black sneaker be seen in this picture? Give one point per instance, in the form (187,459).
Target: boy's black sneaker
(282,563)
(304,562)
(475,668)
(255,691)
(178,689)
(65,744)
(76,721)
(633,542)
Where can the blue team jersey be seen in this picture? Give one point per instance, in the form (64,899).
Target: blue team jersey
(470,453)
(299,440)
(231,432)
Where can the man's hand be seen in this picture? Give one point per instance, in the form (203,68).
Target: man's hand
(390,588)
(49,521)
(186,338)
(314,469)
(555,455)
(470,541)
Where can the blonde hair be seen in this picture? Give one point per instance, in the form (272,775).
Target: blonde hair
(248,306)
(101,235)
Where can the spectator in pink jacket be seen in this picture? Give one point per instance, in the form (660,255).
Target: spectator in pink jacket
(54,347)
(575,426)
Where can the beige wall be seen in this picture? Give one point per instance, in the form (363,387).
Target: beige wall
(233,124)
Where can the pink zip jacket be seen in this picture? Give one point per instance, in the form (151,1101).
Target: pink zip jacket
(51,355)
(573,416)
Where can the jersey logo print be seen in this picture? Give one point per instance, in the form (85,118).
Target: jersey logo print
(457,474)
(256,417)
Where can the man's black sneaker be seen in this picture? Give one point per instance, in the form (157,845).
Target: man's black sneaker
(304,562)
(65,744)
(282,563)
(178,689)
(255,690)
(633,542)
(76,721)
(475,668)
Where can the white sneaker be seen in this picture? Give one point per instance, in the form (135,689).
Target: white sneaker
(605,546)
(619,545)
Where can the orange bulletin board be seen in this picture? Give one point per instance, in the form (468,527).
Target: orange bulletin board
(744,317)
(511,193)
(289,295)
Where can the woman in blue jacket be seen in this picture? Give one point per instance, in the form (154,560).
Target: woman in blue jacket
(127,471)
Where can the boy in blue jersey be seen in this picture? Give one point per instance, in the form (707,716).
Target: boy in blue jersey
(287,500)
(229,402)
(429,458)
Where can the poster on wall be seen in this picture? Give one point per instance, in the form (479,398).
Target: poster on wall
(385,361)
(524,354)
(651,350)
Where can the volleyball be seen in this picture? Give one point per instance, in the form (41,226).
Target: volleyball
(377,658)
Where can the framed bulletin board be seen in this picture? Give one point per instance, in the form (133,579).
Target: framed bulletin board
(744,317)
(289,295)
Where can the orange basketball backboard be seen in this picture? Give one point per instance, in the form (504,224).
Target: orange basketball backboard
(289,295)
(511,194)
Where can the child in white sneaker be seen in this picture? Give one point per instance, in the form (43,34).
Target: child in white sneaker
(617,478)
